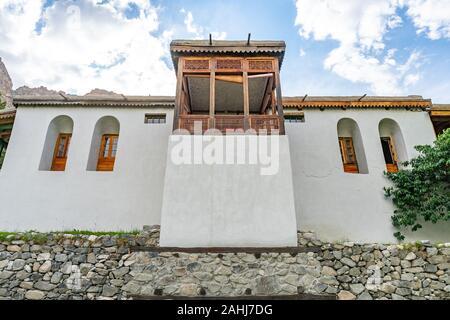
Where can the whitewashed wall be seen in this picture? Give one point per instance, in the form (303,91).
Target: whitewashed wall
(229,205)
(125,199)
(337,205)
(343,206)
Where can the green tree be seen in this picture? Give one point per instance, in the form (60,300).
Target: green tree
(421,191)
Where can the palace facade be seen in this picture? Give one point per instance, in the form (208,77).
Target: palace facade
(106,161)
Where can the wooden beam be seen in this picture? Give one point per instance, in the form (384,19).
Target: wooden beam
(438,113)
(261,75)
(188,96)
(246,102)
(178,94)
(212,93)
(299,103)
(279,98)
(231,78)
(267,95)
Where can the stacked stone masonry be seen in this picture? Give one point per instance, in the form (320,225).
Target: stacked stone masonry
(91,267)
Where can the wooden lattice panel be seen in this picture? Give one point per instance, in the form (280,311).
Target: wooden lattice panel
(260,65)
(224,123)
(229,64)
(196,65)
(267,122)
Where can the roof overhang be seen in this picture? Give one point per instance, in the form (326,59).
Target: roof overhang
(344,102)
(440,110)
(180,48)
(7,117)
(94,101)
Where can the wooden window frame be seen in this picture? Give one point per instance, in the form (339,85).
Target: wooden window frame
(294,117)
(59,163)
(349,166)
(107,163)
(390,167)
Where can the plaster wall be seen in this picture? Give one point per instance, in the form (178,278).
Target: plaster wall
(125,199)
(231,205)
(344,206)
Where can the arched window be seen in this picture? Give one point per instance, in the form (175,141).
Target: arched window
(351,146)
(56,146)
(392,144)
(104,144)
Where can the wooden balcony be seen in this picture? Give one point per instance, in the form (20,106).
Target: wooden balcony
(270,123)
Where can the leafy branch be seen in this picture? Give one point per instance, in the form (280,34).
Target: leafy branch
(421,191)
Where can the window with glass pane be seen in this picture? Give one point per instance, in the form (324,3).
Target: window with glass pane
(61,147)
(106,146)
(108,151)
(114,147)
(155,118)
(61,150)
(294,118)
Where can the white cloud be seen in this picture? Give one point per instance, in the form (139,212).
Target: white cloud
(85,46)
(431,17)
(302,53)
(359,27)
(197,31)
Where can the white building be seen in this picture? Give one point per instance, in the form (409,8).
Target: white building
(105,162)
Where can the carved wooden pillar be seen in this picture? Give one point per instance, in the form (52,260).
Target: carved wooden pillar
(279,98)
(246,100)
(212,96)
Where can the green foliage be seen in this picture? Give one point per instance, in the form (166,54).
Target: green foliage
(40,238)
(99,233)
(421,191)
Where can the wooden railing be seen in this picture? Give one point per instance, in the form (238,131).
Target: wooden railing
(232,122)
(269,123)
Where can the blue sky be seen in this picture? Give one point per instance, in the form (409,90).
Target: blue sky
(334,47)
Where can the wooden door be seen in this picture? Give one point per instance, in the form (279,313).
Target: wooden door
(61,151)
(108,151)
(348,155)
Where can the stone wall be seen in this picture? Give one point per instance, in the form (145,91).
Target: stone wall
(61,266)
(5,86)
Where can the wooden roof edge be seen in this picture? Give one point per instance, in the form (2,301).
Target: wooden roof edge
(112,100)
(391,103)
(7,114)
(440,107)
(228,44)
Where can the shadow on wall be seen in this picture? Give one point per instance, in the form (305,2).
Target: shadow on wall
(58,126)
(105,138)
(393,144)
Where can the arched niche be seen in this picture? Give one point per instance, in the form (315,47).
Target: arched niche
(351,146)
(56,145)
(104,143)
(392,144)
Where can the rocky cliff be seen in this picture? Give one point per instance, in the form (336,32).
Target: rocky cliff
(6,86)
